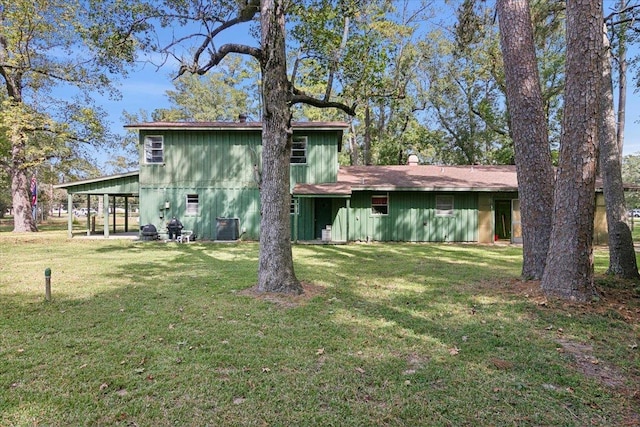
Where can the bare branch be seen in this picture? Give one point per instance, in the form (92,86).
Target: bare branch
(300,97)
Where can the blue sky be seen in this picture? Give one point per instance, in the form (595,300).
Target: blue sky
(145,88)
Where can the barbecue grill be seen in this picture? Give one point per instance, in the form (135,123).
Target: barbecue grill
(149,232)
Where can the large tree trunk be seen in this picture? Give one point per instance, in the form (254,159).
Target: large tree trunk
(275,269)
(529,132)
(569,270)
(622,255)
(23,220)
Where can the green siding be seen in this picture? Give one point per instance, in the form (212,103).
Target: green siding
(412,218)
(219,167)
(322,159)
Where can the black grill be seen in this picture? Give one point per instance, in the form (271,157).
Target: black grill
(149,232)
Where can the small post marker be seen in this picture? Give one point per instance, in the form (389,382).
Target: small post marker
(47,284)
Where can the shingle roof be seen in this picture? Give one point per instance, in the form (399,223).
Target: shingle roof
(232,125)
(415,178)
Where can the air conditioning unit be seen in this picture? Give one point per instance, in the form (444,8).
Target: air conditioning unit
(227,228)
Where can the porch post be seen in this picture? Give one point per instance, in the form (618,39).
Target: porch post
(348,208)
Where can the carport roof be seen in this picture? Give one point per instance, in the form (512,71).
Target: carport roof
(125,184)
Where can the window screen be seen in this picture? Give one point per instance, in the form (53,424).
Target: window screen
(444,205)
(192,204)
(153,149)
(299,149)
(380,204)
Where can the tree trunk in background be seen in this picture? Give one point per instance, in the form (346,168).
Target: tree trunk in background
(366,149)
(529,132)
(22,216)
(275,266)
(569,269)
(622,255)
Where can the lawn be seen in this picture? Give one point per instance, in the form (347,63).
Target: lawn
(154,334)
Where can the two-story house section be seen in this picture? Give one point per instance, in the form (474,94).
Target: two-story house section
(208,174)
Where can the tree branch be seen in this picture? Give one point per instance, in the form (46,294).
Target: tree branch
(300,97)
(245,14)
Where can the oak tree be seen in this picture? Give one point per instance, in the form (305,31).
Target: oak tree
(279,93)
(53,54)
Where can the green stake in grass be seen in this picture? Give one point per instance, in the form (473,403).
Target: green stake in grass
(47,284)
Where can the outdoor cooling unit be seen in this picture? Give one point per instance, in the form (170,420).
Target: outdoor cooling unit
(227,228)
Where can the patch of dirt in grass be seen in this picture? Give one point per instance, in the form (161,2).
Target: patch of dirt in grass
(286,300)
(590,366)
(618,300)
(621,301)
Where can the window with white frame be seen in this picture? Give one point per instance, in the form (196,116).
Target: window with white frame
(380,204)
(293,208)
(299,150)
(192,204)
(444,205)
(153,149)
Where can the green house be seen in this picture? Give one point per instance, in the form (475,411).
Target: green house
(208,174)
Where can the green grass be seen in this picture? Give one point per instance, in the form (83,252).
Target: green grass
(154,334)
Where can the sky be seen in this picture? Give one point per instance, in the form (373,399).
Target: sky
(145,89)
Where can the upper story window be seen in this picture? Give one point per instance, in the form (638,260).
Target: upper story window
(192,204)
(299,150)
(444,205)
(380,204)
(153,149)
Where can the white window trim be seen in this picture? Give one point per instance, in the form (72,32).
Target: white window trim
(190,211)
(305,150)
(439,208)
(294,208)
(373,212)
(149,149)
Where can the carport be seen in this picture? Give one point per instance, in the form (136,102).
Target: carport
(108,187)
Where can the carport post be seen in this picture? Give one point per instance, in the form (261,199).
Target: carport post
(105,215)
(69,215)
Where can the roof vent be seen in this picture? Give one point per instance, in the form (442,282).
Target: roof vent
(413,160)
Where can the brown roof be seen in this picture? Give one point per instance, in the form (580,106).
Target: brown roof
(415,178)
(233,125)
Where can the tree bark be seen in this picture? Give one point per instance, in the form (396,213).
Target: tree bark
(529,132)
(22,216)
(23,221)
(275,270)
(622,255)
(569,268)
